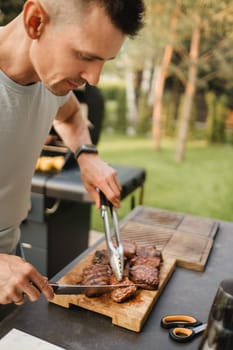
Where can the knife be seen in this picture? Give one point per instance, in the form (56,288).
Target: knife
(94,289)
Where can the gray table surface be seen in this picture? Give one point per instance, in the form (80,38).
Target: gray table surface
(77,329)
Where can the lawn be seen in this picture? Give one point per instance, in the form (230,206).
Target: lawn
(201,185)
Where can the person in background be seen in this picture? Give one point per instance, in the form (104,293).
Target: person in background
(92,97)
(92,102)
(51,48)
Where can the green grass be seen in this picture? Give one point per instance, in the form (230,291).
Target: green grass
(201,185)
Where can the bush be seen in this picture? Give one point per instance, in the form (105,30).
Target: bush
(144,115)
(216,119)
(115,111)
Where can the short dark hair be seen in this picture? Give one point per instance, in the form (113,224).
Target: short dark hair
(126,15)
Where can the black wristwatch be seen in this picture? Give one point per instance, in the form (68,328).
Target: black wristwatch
(85,149)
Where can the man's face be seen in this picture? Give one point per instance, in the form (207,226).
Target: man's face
(66,57)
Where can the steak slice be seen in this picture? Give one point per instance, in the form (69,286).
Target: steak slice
(121,294)
(146,275)
(101,257)
(96,274)
(149,251)
(153,261)
(129,248)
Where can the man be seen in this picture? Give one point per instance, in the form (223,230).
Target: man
(51,48)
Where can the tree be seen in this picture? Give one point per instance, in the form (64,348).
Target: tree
(189,90)
(160,83)
(211,22)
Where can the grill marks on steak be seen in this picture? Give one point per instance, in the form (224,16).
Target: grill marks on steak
(152,261)
(146,275)
(96,274)
(141,267)
(121,294)
(144,267)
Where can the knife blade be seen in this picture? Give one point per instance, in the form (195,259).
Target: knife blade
(95,289)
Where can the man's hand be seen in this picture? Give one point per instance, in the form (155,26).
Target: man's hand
(19,279)
(97,174)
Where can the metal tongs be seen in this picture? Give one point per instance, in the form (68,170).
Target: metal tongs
(114,246)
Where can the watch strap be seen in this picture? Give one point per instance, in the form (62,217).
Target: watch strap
(85,148)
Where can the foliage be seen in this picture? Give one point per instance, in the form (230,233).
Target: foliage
(121,124)
(144,112)
(215,58)
(9,9)
(115,114)
(217,113)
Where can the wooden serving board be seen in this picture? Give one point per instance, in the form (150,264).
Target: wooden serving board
(184,240)
(131,314)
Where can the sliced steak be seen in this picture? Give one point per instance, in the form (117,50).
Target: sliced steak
(146,261)
(101,257)
(149,251)
(141,267)
(121,294)
(129,248)
(146,275)
(96,274)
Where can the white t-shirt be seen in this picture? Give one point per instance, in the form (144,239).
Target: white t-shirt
(26,115)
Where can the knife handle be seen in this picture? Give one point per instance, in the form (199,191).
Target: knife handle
(55,286)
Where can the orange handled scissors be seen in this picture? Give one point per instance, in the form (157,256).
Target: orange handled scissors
(182,328)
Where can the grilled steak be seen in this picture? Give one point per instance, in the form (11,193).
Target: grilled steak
(121,294)
(129,248)
(95,274)
(149,251)
(144,267)
(141,267)
(101,257)
(145,260)
(146,275)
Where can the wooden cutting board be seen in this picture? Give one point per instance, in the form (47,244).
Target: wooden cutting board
(131,314)
(184,240)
